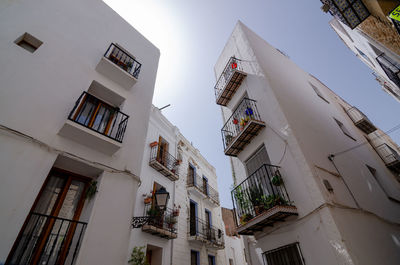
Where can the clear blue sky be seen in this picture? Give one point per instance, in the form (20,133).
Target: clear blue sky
(191,34)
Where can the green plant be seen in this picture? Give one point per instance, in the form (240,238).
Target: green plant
(245,218)
(273,200)
(241,199)
(153,212)
(91,190)
(138,256)
(277,179)
(255,193)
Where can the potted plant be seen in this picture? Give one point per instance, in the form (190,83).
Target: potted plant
(148,200)
(277,179)
(228,139)
(153,144)
(138,256)
(255,194)
(91,190)
(245,218)
(171,221)
(175,211)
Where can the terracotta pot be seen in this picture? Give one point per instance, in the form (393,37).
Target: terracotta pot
(155,143)
(147,200)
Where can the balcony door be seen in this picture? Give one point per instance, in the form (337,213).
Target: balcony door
(208,224)
(193,218)
(48,235)
(95,114)
(259,158)
(162,151)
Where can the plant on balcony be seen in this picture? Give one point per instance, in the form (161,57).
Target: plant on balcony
(147,200)
(241,198)
(138,256)
(273,200)
(244,218)
(277,179)
(171,221)
(243,122)
(255,194)
(129,65)
(228,139)
(175,210)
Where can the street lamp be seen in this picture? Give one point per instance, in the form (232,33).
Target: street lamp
(161,198)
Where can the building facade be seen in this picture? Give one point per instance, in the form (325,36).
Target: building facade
(190,230)
(367,29)
(315,181)
(77,80)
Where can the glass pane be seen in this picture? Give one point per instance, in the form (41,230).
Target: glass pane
(71,200)
(50,195)
(85,113)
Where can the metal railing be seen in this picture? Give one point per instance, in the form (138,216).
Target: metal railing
(198,182)
(116,55)
(165,159)
(61,245)
(232,66)
(163,219)
(100,117)
(242,115)
(391,68)
(206,232)
(387,153)
(356,115)
(261,191)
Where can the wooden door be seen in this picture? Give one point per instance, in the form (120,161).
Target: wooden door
(50,225)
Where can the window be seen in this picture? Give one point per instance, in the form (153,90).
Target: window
(211,260)
(286,255)
(194,257)
(344,129)
(28,42)
(231,262)
(376,176)
(191,175)
(205,185)
(363,55)
(319,93)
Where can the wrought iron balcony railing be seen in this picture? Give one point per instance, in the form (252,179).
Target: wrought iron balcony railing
(350,12)
(165,163)
(99,116)
(361,120)
(390,67)
(203,231)
(390,156)
(203,186)
(229,81)
(160,222)
(260,200)
(241,127)
(123,60)
(61,245)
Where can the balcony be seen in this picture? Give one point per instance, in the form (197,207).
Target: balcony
(96,124)
(164,163)
(202,187)
(120,66)
(350,12)
(261,200)
(201,231)
(360,120)
(242,126)
(229,81)
(390,156)
(64,238)
(391,68)
(161,223)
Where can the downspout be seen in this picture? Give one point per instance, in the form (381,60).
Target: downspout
(330,157)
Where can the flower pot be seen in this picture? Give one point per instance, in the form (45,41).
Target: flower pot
(175,213)
(147,200)
(153,144)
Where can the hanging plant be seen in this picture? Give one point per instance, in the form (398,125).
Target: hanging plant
(277,180)
(92,189)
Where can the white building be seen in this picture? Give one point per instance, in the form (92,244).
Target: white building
(384,63)
(190,230)
(77,83)
(310,188)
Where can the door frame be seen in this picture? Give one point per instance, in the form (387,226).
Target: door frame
(49,223)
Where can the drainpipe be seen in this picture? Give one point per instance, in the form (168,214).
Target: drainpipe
(331,157)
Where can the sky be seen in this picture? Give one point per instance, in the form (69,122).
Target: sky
(191,35)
